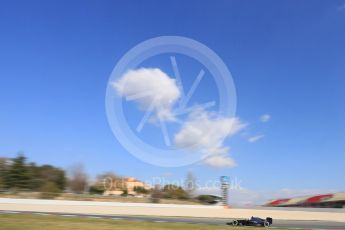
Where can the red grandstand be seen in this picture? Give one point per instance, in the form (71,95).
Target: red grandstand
(336,200)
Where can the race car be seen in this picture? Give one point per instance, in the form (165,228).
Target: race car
(253,221)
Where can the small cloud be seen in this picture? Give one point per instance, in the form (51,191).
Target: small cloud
(206,132)
(265,118)
(152,89)
(255,138)
(341,7)
(220,161)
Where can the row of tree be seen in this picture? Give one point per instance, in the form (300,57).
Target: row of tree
(17,174)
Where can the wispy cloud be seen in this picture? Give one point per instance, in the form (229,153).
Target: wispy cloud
(255,138)
(265,118)
(206,132)
(342,7)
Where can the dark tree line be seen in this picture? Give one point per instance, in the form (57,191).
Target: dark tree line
(19,175)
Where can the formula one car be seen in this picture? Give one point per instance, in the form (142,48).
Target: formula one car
(253,221)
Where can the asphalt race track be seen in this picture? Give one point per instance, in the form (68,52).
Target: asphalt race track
(220,221)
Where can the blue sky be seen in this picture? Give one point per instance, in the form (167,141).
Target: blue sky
(287,60)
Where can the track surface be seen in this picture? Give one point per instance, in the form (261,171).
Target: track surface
(276,223)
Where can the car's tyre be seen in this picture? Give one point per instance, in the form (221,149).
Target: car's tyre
(235,223)
(266,223)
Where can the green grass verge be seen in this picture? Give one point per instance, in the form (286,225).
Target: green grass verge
(34,222)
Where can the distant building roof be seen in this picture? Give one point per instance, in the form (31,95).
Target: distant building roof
(132,179)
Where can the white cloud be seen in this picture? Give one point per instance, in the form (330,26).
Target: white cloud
(265,118)
(341,7)
(220,161)
(255,138)
(152,89)
(206,132)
